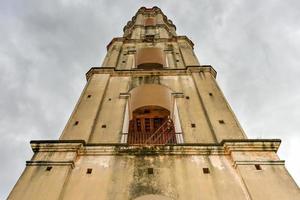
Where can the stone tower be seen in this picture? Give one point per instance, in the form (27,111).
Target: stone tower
(152,123)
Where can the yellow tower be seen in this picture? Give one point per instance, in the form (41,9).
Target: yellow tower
(152,123)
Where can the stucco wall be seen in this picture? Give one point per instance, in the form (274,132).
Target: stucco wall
(174,172)
(85,112)
(101,116)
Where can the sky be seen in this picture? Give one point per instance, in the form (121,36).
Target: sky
(46,47)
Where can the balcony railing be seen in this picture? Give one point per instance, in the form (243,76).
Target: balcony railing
(165,134)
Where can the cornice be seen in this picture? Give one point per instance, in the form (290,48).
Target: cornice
(56,145)
(134,41)
(160,72)
(226,147)
(133,26)
(51,163)
(251,145)
(260,162)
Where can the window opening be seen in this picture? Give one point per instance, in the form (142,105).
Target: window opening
(48,168)
(206,170)
(221,122)
(257,167)
(150,170)
(89,170)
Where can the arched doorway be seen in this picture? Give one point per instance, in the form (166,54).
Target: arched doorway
(150,115)
(151,125)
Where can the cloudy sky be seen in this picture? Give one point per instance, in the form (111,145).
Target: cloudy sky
(47,46)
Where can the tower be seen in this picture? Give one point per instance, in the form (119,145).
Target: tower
(152,123)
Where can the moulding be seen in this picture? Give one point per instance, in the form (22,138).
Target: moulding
(49,162)
(161,72)
(225,147)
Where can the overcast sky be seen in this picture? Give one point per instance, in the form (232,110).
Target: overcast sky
(47,47)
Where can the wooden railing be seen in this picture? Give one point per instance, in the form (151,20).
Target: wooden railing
(165,134)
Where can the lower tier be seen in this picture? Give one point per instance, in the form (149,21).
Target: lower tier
(232,169)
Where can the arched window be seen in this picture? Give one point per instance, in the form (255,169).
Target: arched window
(150,58)
(151,125)
(151,116)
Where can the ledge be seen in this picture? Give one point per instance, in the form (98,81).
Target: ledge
(51,163)
(226,147)
(56,145)
(142,40)
(161,72)
(260,162)
(153,150)
(56,141)
(251,145)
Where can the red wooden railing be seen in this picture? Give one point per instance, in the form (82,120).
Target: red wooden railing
(165,134)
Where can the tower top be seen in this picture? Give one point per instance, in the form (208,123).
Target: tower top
(149,17)
(150,39)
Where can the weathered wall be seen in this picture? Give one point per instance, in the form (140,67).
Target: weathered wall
(83,118)
(177,177)
(203,105)
(37,183)
(190,110)
(221,118)
(177,54)
(110,113)
(273,182)
(124,172)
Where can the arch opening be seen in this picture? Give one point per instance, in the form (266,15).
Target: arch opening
(150,57)
(151,125)
(150,115)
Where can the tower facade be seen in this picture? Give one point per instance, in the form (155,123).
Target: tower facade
(152,123)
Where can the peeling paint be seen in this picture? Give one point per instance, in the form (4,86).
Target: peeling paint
(238,178)
(217,162)
(103,161)
(198,160)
